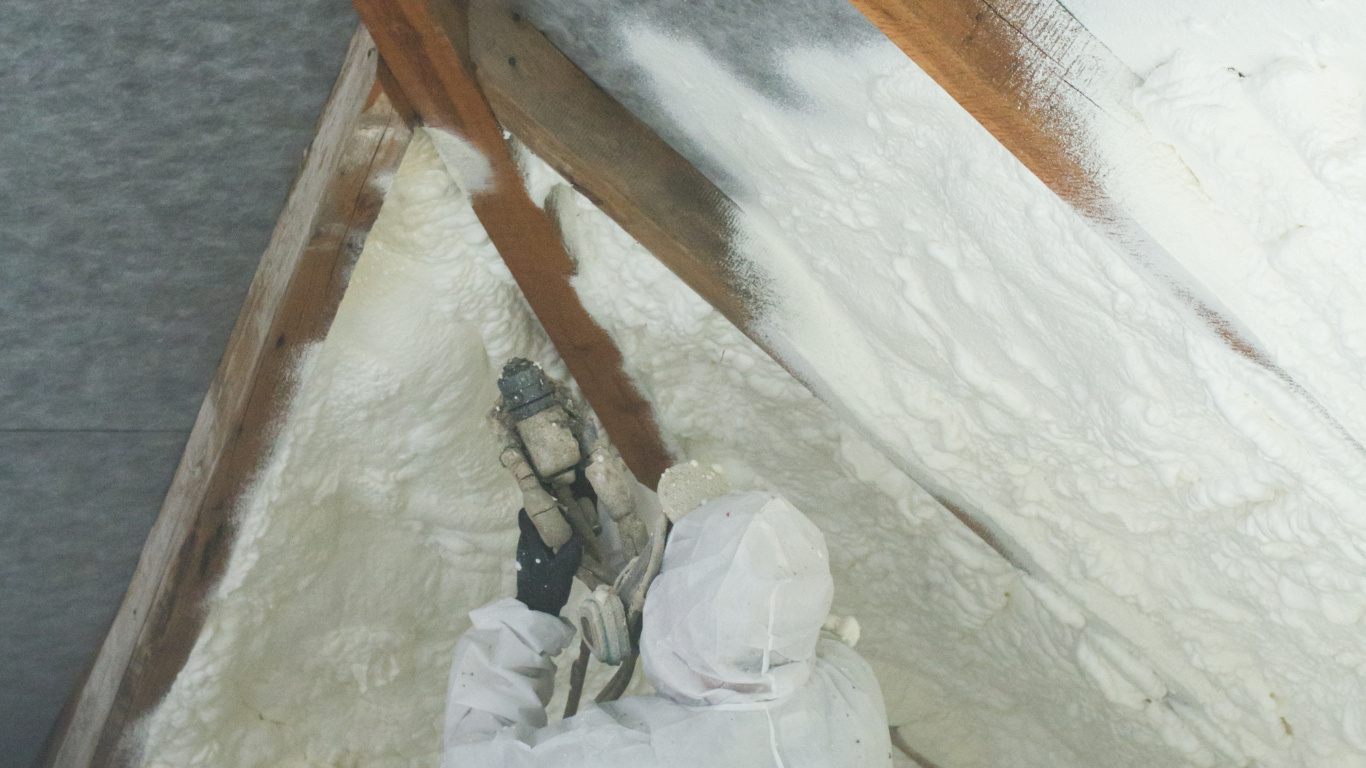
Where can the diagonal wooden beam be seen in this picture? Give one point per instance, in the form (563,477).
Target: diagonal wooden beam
(291,302)
(613,158)
(1019,67)
(424,44)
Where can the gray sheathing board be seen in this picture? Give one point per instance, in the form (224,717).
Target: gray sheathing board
(746,36)
(77,506)
(146,149)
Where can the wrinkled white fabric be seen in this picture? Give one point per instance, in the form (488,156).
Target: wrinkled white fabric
(735,613)
(731,641)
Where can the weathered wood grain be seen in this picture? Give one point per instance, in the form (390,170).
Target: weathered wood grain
(291,302)
(1018,67)
(612,158)
(425,45)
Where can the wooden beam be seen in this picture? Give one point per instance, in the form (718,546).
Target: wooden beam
(384,80)
(424,44)
(612,158)
(1016,66)
(291,302)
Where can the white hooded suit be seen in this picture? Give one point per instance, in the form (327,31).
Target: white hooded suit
(731,641)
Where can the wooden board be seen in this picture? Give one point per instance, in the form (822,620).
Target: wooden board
(612,158)
(424,44)
(291,302)
(1013,65)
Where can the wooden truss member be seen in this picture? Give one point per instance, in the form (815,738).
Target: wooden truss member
(423,48)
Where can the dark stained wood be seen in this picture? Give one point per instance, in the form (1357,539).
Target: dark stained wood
(613,158)
(384,81)
(291,302)
(425,45)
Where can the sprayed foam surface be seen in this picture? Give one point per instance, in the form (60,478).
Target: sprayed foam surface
(1246,36)
(1200,520)
(380,519)
(383,517)
(1193,587)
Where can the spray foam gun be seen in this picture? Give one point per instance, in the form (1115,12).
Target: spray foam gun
(610,618)
(548,437)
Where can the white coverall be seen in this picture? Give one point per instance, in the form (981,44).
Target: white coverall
(731,641)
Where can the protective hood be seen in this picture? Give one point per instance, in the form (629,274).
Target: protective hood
(735,613)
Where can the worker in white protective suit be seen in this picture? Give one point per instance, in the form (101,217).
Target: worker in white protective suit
(731,642)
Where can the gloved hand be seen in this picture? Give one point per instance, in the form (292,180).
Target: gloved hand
(544,577)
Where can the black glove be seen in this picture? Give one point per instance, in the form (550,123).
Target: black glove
(544,577)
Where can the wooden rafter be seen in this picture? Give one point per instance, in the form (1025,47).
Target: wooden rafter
(291,302)
(1015,65)
(612,157)
(424,45)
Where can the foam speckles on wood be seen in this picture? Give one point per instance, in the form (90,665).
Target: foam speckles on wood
(424,45)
